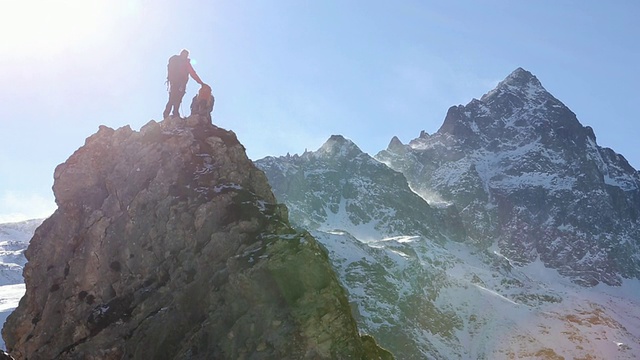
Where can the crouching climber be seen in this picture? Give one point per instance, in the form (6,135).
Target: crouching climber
(202,103)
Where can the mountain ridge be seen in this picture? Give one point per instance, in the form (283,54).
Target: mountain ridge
(302,182)
(522,177)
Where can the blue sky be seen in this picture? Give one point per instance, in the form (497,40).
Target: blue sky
(288,74)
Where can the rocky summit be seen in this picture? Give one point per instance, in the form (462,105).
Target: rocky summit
(169,244)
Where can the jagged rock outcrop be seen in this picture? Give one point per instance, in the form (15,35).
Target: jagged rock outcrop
(168,244)
(528,176)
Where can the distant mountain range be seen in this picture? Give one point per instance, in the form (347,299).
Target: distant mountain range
(484,240)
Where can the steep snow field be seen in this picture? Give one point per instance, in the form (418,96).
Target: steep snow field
(485,307)
(542,314)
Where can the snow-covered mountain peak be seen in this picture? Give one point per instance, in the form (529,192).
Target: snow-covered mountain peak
(520,83)
(338,146)
(521,77)
(518,111)
(523,170)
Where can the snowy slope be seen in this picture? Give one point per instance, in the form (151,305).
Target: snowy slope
(14,239)
(424,300)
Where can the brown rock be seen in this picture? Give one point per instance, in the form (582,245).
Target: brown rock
(168,244)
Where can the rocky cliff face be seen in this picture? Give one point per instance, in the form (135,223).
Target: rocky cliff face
(525,174)
(168,244)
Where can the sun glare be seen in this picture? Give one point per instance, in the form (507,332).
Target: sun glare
(46,26)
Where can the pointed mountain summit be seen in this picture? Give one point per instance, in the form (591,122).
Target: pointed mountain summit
(528,176)
(520,83)
(518,107)
(338,146)
(395,145)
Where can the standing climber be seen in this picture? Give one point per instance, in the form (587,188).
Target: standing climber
(202,103)
(178,72)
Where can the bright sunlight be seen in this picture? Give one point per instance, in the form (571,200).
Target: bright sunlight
(47,26)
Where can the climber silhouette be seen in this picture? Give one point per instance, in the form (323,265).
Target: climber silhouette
(178,71)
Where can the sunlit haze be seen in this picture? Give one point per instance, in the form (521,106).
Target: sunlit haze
(288,74)
(42,27)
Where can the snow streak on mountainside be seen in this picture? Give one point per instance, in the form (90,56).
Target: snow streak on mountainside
(524,172)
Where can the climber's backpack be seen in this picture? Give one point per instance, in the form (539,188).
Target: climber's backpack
(177,72)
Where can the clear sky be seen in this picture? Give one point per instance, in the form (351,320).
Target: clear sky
(287,74)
